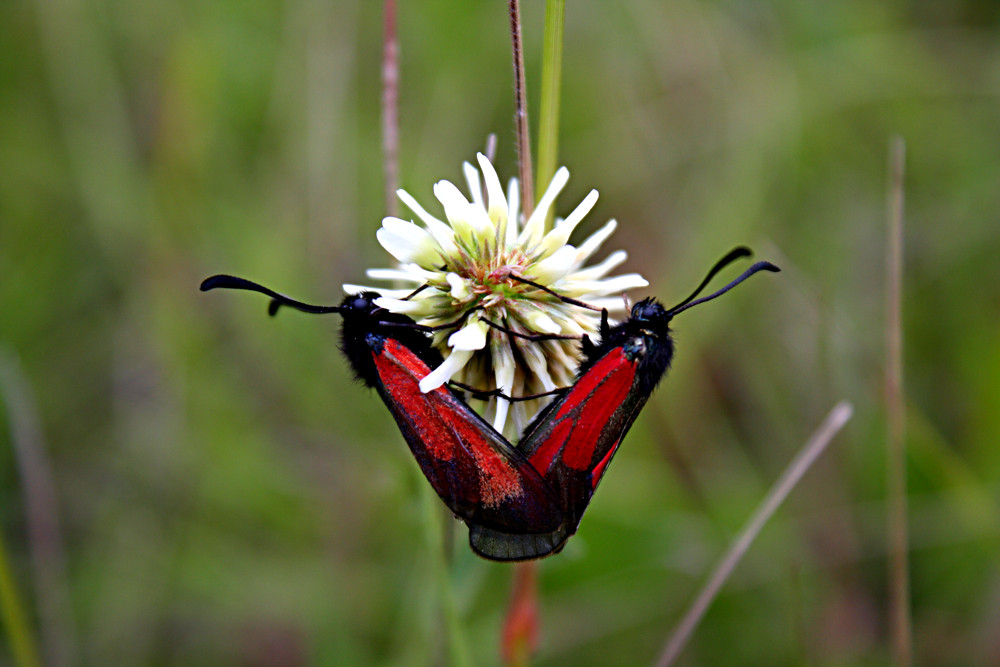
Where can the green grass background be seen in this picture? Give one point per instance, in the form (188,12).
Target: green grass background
(227,496)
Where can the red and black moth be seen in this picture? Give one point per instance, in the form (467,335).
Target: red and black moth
(572,441)
(480,476)
(519,502)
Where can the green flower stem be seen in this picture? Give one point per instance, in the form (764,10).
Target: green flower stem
(22,641)
(548,126)
(458,649)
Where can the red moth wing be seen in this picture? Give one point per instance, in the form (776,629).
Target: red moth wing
(573,444)
(571,436)
(570,445)
(476,472)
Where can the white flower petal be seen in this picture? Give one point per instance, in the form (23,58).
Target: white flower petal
(594,241)
(555,266)
(427,275)
(581,210)
(503,369)
(541,322)
(561,232)
(534,228)
(456,208)
(602,269)
(407,242)
(497,202)
(500,420)
(564,366)
(441,232)
(538,365)
(451,198)
(407,229)
(452,365)
(569,326)
(475,186)
(470,337)
(609,304)
(480,221)
(412,307)
(459,289)
(351,288)
(513,211)
(520,419)
(402,248)
(607,286)
(415,206)
(394,274)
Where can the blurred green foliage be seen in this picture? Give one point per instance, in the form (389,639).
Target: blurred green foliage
(226,495)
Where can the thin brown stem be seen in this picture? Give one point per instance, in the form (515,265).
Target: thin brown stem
(48,557)
(779,491)
(898,533)
(390,108)
(521,113)
(520,634)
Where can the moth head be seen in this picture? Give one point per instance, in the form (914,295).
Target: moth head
(650,314)
(362,303)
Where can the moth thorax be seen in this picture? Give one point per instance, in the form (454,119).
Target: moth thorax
(375,342)
(635,348)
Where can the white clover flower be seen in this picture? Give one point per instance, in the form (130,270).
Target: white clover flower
(466,264)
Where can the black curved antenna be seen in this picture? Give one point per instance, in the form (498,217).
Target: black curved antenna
(729,258)
(277,300)
(756,268)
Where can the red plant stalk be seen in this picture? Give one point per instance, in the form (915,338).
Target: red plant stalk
(520,629)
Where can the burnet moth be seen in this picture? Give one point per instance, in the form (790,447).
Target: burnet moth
(572,441)
(519,502)
(478,474)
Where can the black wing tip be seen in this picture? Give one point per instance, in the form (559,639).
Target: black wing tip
(502,547)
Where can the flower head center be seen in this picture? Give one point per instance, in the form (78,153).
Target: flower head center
(464,268)
(490,283)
